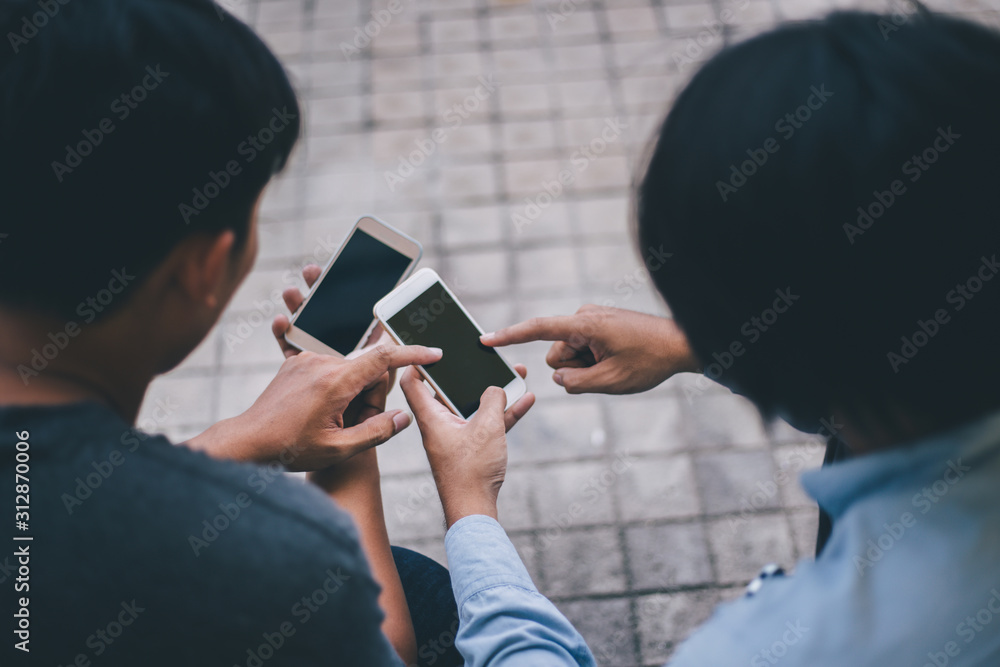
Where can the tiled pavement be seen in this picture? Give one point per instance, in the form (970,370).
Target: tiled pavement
(635,514)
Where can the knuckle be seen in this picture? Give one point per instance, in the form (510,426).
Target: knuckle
(383,355)
(533,323)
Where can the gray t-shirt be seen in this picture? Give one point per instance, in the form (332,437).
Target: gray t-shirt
(148,553)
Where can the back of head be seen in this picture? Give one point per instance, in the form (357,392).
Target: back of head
(827,192)
(126,125)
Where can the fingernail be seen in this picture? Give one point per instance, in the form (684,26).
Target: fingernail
(401,420)
(436,350)
(486,337)
(557,378)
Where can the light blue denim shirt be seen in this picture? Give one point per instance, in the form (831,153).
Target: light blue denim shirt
(910,576)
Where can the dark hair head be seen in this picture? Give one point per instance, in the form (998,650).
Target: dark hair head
(830,204)
(118,120)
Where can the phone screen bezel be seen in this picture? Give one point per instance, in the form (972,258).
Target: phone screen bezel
(402,296)
(380,231)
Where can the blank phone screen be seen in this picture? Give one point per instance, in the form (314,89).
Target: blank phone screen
(467,367)
(340,311)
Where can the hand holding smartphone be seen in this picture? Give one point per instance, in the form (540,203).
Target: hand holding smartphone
(423,311)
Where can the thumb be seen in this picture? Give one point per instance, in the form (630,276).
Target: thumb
(373,431)
(491,405)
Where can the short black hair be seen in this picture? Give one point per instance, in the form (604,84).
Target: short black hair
(843,171)
(126,126)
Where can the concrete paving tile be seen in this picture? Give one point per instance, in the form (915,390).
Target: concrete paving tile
(579,562)
(738,481)
(239,390)
(175,401)
(607,626)
(552,431)
(575,494)
(546,268)
(412,507)
(741,550)
(670,555)
(648,423)
(725,419)
(804,524)
(658,488)
(667,619)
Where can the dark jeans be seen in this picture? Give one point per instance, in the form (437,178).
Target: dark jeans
(427,586)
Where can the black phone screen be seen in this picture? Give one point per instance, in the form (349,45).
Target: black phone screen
(467,367)
(340,310)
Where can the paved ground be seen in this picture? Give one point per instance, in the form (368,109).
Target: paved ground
(635,514)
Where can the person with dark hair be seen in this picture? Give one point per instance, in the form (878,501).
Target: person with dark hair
(136,138)
(825,195)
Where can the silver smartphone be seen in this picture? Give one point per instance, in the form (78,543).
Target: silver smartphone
(336,316)
(423,311)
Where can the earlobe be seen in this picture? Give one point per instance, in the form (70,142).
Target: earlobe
(216,266)
(203,264)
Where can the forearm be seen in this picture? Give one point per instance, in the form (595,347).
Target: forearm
(505,620)
(355,487)
(226,439)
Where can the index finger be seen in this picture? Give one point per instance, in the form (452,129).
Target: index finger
(381,359)
(537,328)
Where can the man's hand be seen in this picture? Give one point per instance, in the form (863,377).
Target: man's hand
(468,458)
(301,419)
(319,410)
(371,401)
(605,350)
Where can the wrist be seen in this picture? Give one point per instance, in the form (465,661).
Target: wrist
(358,471)
(458,505)
(226,439)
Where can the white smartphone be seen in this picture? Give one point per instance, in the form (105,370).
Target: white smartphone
(336,316)
(423,311)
